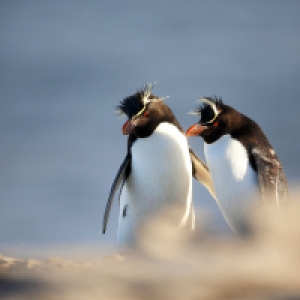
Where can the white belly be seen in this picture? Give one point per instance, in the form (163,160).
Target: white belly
(161,176)
(234,180)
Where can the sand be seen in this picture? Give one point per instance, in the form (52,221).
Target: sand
(263,264)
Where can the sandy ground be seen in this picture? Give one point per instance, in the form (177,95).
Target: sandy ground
(264,264)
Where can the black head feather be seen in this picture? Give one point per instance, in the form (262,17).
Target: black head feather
(206,111)
(133,104)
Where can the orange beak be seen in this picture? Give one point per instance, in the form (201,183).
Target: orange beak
(195,129)
(128,126)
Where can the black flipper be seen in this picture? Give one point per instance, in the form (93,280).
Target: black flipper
(271,178)
(201,173)
(119,180)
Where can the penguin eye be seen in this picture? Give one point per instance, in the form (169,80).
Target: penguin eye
(146,113)
(216,124)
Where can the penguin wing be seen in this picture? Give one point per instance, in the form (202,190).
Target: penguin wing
(271,178)
(201,173)
(121,176)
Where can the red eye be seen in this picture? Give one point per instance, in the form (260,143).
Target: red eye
(146,113)
(216,124)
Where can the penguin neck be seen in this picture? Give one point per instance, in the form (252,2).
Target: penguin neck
(132,138)
(166,137)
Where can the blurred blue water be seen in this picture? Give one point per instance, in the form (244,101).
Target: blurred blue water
(65,65)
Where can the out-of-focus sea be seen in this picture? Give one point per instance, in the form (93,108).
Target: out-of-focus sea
(65,65)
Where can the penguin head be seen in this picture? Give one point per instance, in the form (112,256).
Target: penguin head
(145,112)
(214,121)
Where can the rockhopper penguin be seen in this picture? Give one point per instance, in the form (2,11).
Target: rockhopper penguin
(243,165)
(157,170)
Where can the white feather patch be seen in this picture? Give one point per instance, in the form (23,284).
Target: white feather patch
(161,175)
(235,182)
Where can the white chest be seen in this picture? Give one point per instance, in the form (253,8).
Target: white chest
(161,175)
(234,180)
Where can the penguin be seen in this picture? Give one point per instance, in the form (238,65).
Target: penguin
(157,171)
(243,165)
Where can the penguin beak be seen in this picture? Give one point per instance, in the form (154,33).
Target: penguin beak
(128,126)
(195,129)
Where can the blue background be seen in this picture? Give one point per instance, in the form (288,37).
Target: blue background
(65,65)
